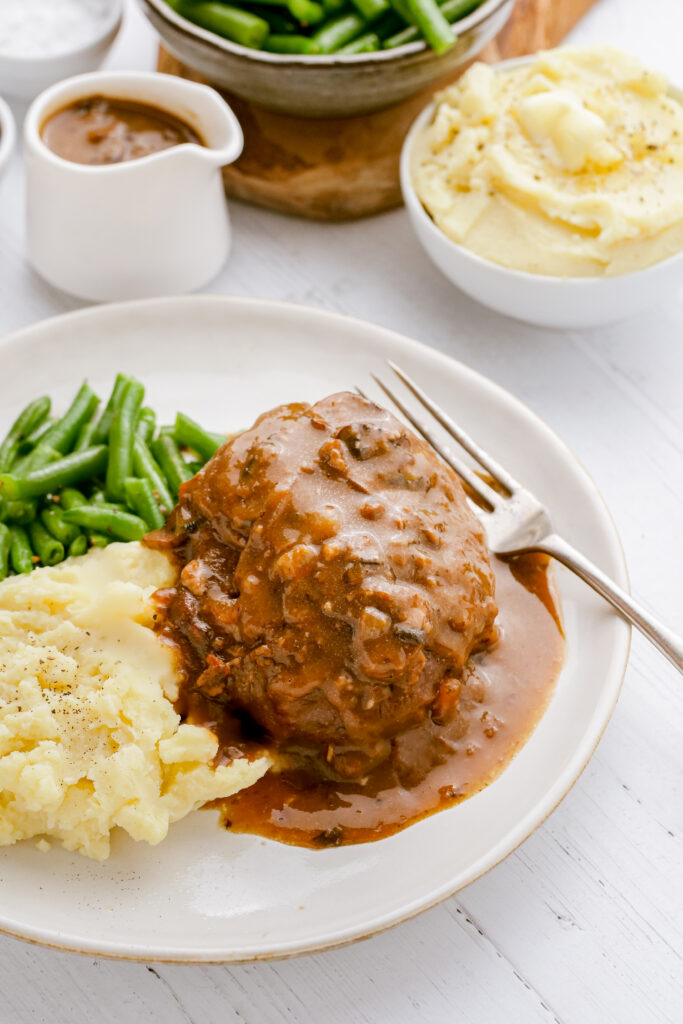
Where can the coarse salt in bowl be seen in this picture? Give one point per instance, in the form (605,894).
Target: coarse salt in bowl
(42,41)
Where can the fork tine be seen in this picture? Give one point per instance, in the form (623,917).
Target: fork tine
(479,487)
(361,393)
(456,432)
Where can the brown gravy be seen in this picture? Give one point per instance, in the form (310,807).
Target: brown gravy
(505,691)
(99,131)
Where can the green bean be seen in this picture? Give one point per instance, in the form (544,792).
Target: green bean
(55,524)
(8,453)
(121,437)
(290,44)
(338,32)
(20,551)
(371,9)
(25,423)
(32,440)
(187,432)
(78,546)
(120,525)
(409,34)
(402,9)
(98,540)
(279,22)
(140,497)
(5,544)
(47,479)
(99,498)
(432,23)
(307,12)
(147,424)
(364,44)
(166,452)
(116,506)
(42,455)
(86,433)
(388,25)
(304,12)
(21,512)
(49,550)
(230,22)
(145,466)
(71,498)
(62,435)
(333,6)
(103,427)
(452,10)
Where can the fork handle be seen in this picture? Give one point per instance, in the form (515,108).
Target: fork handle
(663,638)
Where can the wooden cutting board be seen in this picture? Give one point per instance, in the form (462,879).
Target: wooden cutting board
(347,167)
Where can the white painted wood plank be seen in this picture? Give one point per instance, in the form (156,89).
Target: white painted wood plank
(444,963)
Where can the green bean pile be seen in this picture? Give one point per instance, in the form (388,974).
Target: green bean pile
(313,27)
(128,475)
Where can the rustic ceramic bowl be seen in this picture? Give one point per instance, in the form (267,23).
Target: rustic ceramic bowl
(325,86)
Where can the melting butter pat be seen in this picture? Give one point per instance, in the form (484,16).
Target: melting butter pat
(577,135)
(570,164)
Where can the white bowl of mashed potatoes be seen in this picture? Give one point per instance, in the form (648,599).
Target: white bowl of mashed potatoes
(550,188)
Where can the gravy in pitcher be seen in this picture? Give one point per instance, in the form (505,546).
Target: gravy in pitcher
(98,131)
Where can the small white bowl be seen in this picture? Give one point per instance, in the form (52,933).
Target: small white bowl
(557,302)
(25,77)
(153,226)
(8,134)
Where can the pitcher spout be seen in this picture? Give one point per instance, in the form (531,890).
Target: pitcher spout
(215,123)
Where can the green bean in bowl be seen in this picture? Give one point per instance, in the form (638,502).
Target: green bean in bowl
(92,475)
(326,58)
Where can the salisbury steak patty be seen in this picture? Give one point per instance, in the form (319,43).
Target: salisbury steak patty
(334,580)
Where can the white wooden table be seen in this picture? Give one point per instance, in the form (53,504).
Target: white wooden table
(584,923)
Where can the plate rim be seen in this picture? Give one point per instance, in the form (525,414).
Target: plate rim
(577,764)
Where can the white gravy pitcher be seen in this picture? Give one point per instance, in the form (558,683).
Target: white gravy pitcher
(157,225)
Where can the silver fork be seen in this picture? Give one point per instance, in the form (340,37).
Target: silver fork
(516,522)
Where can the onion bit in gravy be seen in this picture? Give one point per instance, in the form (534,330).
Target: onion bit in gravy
(98,131)
(336,604)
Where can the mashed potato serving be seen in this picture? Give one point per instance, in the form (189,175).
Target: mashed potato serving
(568,165)
(89,739)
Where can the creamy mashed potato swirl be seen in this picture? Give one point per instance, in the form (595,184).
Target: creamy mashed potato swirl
(569,165)
(89,739)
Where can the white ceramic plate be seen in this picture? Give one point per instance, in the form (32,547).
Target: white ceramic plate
(205,894)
